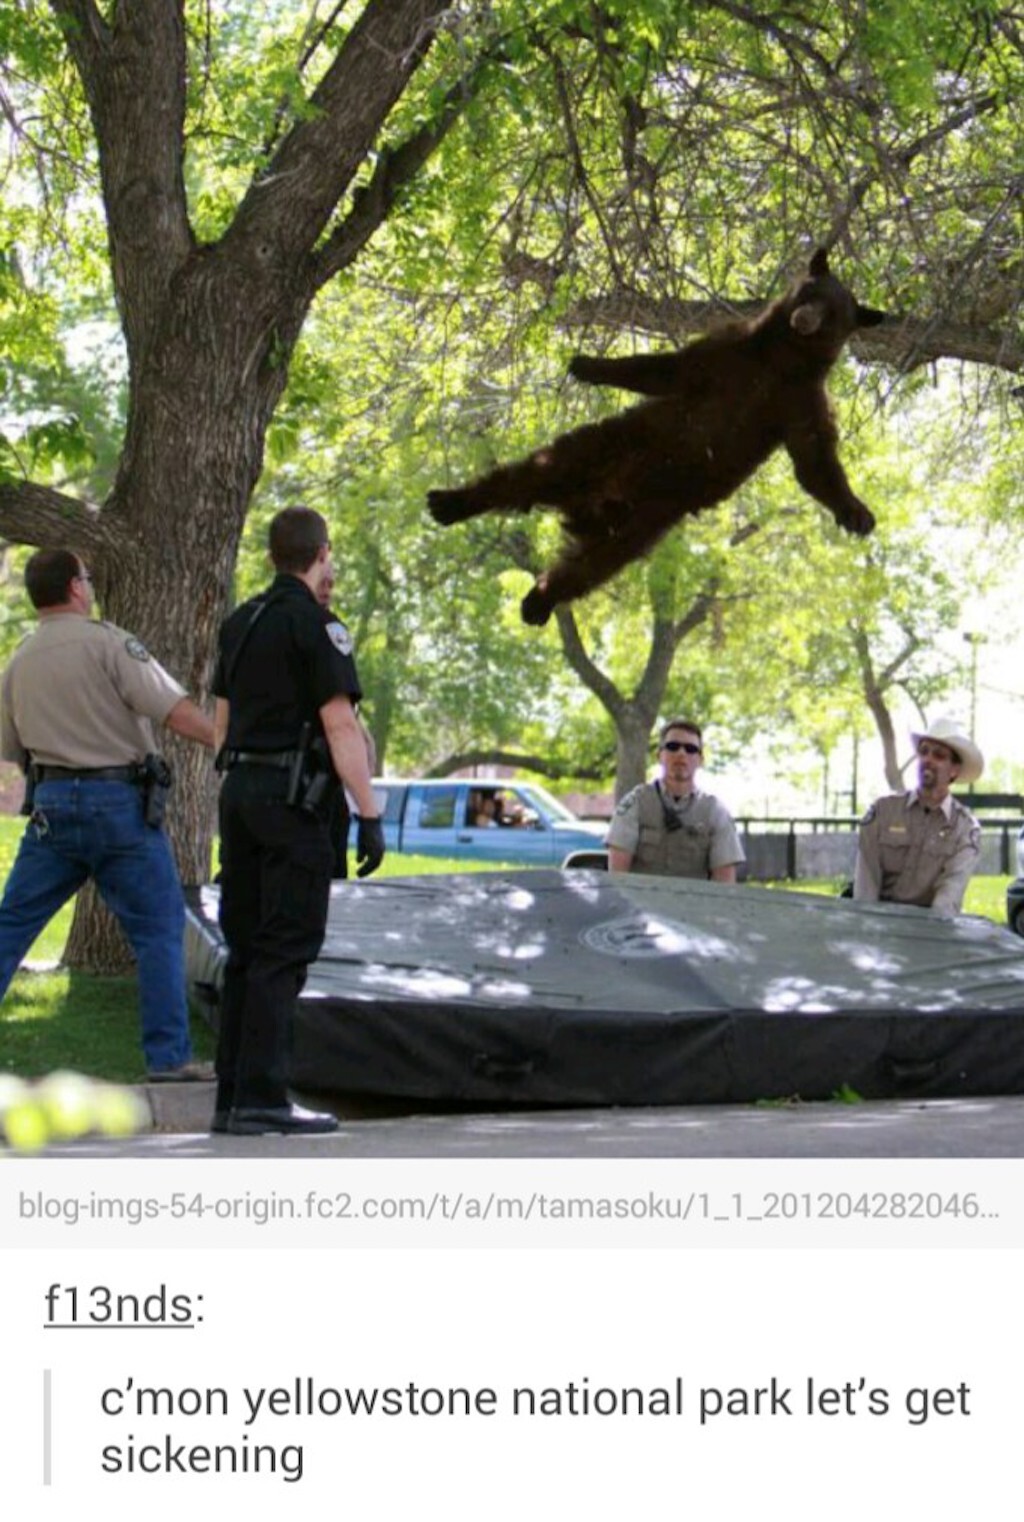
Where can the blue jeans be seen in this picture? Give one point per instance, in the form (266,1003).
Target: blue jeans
(82,829)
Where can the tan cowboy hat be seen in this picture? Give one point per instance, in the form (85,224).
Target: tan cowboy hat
(948,732)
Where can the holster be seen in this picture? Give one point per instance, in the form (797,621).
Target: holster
(155,780)
(28,803)
(309,781)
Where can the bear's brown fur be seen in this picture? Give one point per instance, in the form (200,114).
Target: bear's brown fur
(720,407)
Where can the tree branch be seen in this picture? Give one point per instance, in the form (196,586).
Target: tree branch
(576,159)
(32,514)
(772,27)
(873,688)
(888,674)
(133,74)
(85,31)
(904,343)
(903,159)
(313,36)
(545,765)
(396,168)
(592,677)
(287,208)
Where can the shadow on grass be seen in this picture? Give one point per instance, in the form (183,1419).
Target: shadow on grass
(63,1019)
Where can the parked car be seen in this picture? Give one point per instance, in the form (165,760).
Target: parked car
(1015,892)
(481,820)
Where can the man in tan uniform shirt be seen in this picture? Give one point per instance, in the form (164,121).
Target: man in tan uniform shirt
(920,847)
(79,703)
(669,827)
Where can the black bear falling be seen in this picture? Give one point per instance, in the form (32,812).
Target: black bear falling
(716,410)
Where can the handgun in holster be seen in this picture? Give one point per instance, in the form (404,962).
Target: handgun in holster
(28,803)
(155,780)
(309,781)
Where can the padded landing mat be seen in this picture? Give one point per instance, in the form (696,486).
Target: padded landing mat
(555,988)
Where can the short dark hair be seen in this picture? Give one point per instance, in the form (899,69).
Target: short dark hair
(48,576)
(297,534)
(694,729)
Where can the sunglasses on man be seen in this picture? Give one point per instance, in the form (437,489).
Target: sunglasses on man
(676,745)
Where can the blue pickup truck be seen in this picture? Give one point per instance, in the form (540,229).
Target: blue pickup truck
(481,820)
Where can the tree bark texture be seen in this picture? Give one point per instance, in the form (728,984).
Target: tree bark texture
(874,686)
(633,716)
(210,330)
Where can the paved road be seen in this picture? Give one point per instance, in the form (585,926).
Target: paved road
(947,1128)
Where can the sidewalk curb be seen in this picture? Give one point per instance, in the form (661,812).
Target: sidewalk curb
(177,1106)
(183,1107)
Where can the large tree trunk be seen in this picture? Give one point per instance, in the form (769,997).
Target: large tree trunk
(210,330)
(632,750)
(193,453)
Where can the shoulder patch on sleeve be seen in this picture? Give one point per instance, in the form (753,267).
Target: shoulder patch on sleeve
(872,811)
(628,803)
(136,649)
(339,637)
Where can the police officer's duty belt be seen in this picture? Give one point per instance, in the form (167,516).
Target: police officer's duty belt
(88,774)
(282,759)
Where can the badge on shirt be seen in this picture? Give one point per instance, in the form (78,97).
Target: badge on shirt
(136,649)
(340,638)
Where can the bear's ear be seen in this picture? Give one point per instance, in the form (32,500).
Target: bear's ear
(869,317)
(819,263)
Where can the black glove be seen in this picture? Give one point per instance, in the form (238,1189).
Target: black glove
(369,846)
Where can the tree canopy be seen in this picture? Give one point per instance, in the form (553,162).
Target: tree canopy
(256,253)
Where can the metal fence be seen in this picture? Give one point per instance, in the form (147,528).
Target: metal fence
(826,847)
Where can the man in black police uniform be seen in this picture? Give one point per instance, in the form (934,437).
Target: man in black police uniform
(287,734)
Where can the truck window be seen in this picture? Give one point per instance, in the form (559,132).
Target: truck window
(517,810)
(474,808)
(389,801)
(539,799)
(437,811)
(484,808)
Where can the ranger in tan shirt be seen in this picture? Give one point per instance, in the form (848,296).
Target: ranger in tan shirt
(85,695)
(920,847)
(79,705)
(669,828)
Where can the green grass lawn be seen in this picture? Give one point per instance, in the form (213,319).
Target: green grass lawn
(985,895)
(52,1018)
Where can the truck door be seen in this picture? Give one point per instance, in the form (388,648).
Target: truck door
(429,827)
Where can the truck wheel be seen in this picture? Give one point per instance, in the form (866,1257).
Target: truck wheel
(1017,920)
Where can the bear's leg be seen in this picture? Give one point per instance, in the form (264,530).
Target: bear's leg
(588,562)
(517,486)
(812,448)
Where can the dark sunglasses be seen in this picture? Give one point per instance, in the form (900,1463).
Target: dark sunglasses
(687,745)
